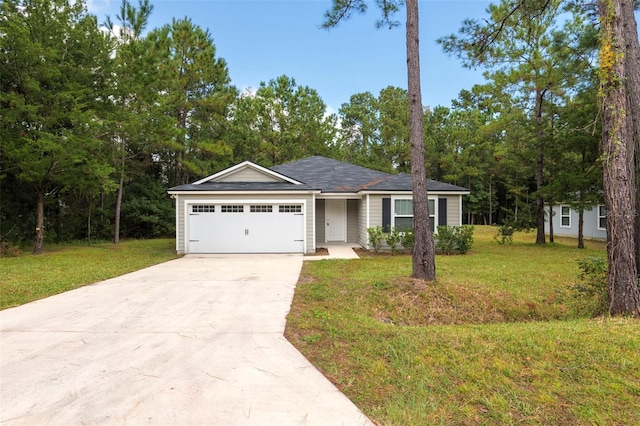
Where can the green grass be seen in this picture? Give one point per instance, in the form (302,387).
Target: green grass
(494,341)
(65,267)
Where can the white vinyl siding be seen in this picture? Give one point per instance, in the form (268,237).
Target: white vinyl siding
(248,174)
(591,225)
(362,221)
(454,209)
(375,210)
(375,215)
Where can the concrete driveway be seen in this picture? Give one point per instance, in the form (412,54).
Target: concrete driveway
(197,340)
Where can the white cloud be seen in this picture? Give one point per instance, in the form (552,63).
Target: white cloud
(248,91)
(98,6)
(330,111)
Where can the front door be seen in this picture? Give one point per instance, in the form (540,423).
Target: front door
(335,220)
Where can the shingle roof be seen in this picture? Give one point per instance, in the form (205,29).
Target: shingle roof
(330,175)
(327,175)
(403,182)
(336,176)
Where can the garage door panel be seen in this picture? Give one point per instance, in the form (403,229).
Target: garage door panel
(217,231)
(246,228)
(204,233)
(277,232)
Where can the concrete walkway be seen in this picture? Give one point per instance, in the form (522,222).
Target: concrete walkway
(197,340)
(337,251)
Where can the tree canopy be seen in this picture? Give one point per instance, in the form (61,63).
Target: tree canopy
(95,124)
(54,75)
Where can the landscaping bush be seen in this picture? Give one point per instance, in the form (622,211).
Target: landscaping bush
(407,239)
(454,239)
(590,295)
(376,236)
(504,234)
(393,239)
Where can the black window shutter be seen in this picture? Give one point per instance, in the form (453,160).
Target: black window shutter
(442,211)
(386,214)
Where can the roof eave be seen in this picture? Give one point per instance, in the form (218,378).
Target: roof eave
(339,195)
(406,192)
(236,192)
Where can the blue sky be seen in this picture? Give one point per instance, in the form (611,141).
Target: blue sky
(263,39)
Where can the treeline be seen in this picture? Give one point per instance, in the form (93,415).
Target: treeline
(96,123)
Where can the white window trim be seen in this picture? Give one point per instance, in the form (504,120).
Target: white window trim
(598,217)
(433,214)
(562,216)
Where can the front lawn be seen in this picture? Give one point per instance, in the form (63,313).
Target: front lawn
(496,340)
(65,267)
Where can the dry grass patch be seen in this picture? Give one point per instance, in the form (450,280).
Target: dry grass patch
(419,303)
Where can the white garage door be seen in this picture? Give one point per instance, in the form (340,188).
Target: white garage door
(246,228)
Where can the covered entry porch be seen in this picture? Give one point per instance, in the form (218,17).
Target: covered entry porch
(337,221)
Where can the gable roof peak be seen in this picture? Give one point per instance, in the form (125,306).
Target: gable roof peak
(244,165)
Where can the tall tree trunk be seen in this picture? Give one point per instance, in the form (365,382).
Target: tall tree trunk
(622,280)
(540,238)
(123,163)
(89,218)
(116,227)
(581,227)
(38,246)
(637,181)
(424,264)
(632,68)
(637,171)
(490,201)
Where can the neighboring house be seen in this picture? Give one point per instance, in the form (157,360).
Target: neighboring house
(565,222)
(299,206)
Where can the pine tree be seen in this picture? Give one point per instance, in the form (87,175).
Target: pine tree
(53,67)
(423,260)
